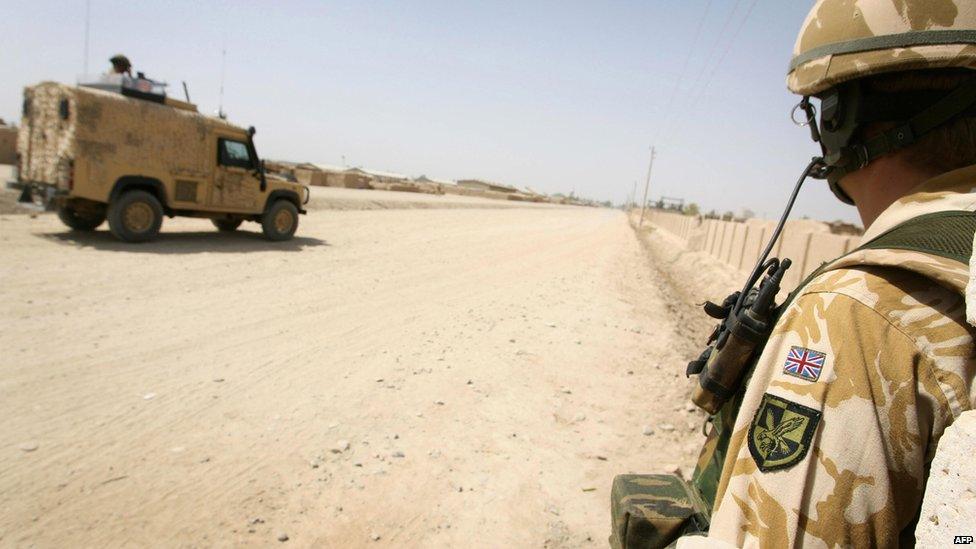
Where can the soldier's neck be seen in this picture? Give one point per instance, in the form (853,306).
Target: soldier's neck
(880,184)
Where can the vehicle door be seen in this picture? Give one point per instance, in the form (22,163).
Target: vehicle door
(237,185)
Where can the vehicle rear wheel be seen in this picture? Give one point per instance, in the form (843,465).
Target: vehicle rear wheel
(80,220)
(136,216)
(280,221)
(227,225)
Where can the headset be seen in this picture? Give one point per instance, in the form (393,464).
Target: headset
(846,109)
(746,317)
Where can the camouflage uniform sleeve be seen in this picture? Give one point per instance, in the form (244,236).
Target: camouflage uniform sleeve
(842,415)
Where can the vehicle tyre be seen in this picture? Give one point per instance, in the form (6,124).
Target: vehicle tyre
(280,221)
(227,225)
(136,216)
(79,221)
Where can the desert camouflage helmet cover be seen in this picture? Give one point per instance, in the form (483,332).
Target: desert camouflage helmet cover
(846,39)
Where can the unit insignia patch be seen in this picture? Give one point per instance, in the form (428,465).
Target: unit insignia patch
(781,433)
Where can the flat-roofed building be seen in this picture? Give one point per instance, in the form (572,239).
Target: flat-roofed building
(390,181)
(434,185)
(481,185)
(329,175)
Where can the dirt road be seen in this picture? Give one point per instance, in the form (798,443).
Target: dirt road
(490,371)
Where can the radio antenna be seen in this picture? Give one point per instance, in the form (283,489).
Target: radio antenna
(223,71)
(87,27)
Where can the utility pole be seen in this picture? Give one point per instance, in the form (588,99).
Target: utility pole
(647,183)
(633,195)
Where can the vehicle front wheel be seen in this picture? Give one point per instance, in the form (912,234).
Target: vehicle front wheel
(80,221)
(280,221)
(227,225)
(136,216)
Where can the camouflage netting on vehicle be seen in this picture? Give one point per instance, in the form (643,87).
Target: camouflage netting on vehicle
(842,40)
(45,139)
(654,511)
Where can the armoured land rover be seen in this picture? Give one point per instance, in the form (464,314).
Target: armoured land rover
(133,156)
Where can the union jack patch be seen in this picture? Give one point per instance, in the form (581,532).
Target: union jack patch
(804,363)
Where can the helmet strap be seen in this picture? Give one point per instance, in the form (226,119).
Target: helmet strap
(846,109)
(960,101)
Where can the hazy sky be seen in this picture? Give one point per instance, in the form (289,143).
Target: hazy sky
(558,96)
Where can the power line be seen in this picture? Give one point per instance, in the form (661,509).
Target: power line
(668,126)
(725,53)
(684,66)
(699,87)
(697,91)
(715,45)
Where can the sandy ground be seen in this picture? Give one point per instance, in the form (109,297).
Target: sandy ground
(490,370)
(695,276)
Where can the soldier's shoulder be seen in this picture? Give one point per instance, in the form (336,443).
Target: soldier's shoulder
(915,304)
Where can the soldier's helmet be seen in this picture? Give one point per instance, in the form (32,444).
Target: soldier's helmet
(843,40)
(121,62)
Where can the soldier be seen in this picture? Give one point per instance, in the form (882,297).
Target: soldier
(829,439)
(873,358)
(121,65)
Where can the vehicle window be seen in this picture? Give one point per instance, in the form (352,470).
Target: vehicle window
(233,153)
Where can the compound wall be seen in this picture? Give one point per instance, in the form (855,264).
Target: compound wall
(739,244)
